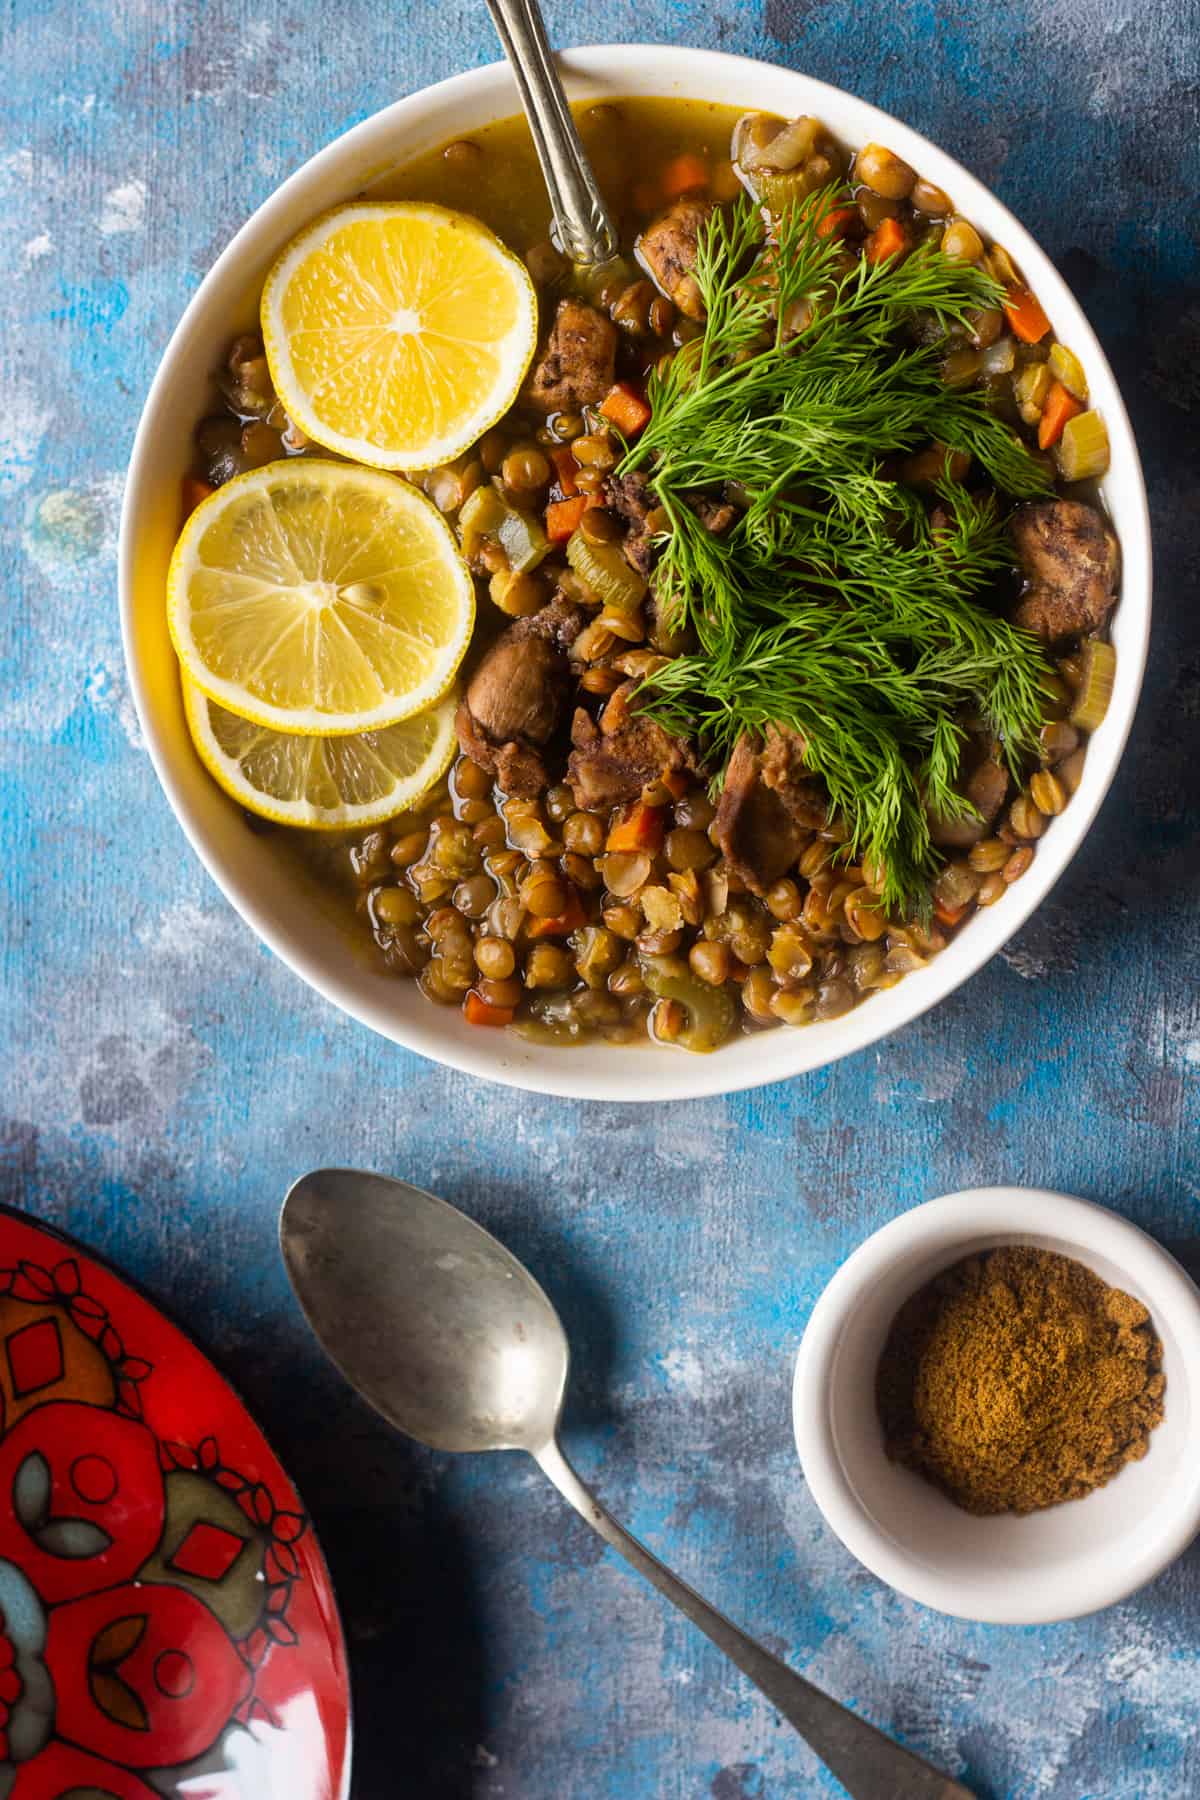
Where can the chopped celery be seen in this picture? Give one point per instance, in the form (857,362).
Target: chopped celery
(605,570)
(522,538)
(487,514)
(1095,682)
(711,1011)
(1066,367)
(1030,388)
(1082,451)
(479,517)
(779,188)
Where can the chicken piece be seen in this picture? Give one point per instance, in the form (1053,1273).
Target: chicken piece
(578,360)
(986,787)
(715,515)
(770,805)
(613,761)
(667,248)
(785,771)
(517,765)
(1072,563)
(630,498)
(559,623)
(515,698)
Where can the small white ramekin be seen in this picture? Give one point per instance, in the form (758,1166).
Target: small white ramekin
(1056,1564)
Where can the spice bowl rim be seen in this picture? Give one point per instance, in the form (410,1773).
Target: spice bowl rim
(1060,1563)
(259,879)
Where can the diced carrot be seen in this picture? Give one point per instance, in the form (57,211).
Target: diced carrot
(481,1012)
(834,223)
(193,491)
(567,921)
(640,827)
(626,408)
(683,173)
(949,915)
(676,783)
(1060,406)
(565,471)
(889,238)
(562,516)
(1024,313)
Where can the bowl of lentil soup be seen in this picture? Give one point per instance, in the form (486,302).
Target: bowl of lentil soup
(638,907)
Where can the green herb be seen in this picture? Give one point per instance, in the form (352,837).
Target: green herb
(836,606)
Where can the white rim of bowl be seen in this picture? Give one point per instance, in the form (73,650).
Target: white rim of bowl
(686,1076)
(975,1213)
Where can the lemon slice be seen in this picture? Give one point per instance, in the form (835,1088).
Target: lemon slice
(309,596)
(324,783)
(397,332)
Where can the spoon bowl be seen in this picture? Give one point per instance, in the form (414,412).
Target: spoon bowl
(453,1341)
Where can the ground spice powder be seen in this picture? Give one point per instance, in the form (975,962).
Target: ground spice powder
(1017,1379)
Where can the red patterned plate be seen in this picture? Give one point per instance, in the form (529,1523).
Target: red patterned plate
(167,1624)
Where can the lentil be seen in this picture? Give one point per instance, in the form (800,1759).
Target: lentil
(1025,818)
(1047,793)
(549,966)
(495,957)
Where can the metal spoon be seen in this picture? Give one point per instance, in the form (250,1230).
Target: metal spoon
(584,228)
(453,1341)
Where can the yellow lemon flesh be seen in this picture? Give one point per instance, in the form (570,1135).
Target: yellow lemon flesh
(396,332)
(324,783)
(313,597)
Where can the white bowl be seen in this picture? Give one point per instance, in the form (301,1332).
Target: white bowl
(250,870)
(1056,1564)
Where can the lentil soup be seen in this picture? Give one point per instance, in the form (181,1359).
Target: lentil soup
(598,862)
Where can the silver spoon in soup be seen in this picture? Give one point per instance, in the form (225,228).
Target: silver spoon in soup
(582,224)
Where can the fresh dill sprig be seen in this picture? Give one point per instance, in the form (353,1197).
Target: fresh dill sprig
(837,605)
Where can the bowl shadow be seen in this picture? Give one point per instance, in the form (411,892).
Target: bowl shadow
(405,1569)
(418,1667)
(1151,332)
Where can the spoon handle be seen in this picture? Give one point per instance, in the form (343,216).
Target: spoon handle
(868,1764)
(585,230)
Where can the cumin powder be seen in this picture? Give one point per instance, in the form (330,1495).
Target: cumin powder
(1017,1379)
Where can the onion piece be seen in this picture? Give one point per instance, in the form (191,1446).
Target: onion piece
(789,147)
(999,358)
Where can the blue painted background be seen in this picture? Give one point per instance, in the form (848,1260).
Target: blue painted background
(163,1079)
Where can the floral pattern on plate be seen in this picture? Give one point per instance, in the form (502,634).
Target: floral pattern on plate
(167,1624)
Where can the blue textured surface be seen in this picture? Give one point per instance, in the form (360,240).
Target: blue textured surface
(164,1079)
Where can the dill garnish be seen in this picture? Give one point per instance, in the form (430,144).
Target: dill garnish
(836,605)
